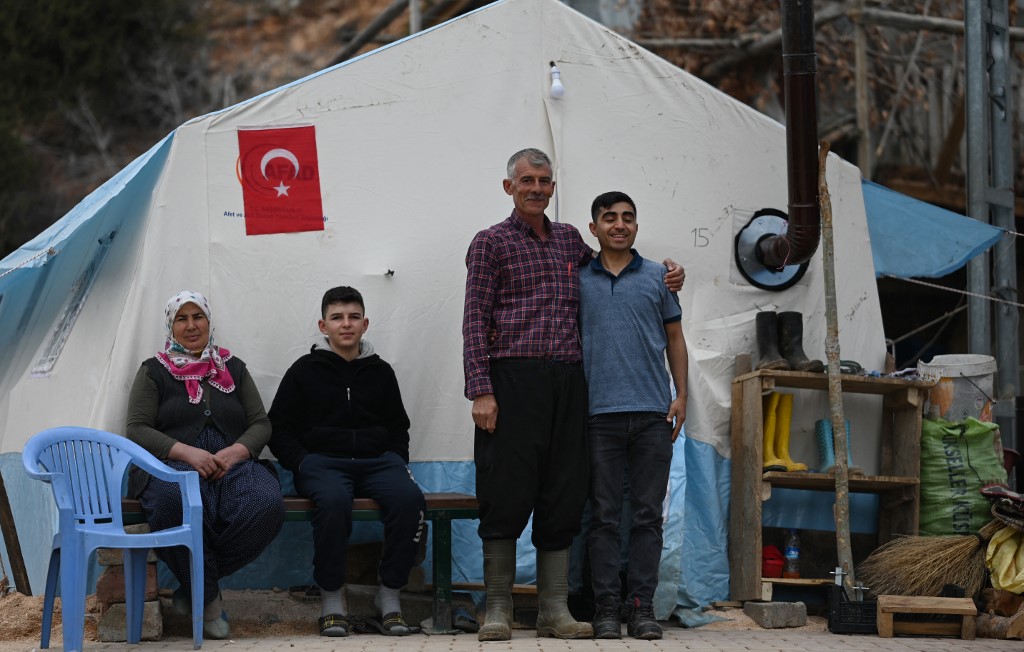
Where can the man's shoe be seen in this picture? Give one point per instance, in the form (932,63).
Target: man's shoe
(606,619)
(642,624)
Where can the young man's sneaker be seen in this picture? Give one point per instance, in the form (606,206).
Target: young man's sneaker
(606,618)
(642,623)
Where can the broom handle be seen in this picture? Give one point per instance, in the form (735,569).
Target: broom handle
(841,511)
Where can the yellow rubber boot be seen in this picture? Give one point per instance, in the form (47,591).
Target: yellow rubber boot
(771,462)
(784,419)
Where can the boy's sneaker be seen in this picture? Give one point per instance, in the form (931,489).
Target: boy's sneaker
(606,619)
(642,623)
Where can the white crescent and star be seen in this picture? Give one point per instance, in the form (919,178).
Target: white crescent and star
(279,153)
(282,190)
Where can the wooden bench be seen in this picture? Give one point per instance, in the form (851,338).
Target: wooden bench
(899,604)
(442,509)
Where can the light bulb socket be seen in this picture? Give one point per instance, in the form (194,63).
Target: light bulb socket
(557,88)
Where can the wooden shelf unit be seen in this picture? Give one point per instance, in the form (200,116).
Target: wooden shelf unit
(897,484)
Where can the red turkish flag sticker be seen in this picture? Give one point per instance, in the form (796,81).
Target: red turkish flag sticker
(280,180)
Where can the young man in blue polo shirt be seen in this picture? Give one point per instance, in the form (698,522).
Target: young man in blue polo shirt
(629,323)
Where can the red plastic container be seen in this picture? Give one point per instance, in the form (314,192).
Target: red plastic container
(772,561)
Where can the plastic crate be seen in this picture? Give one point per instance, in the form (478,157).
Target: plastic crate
(847,616)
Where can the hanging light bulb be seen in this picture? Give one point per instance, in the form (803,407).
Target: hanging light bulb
(557,89)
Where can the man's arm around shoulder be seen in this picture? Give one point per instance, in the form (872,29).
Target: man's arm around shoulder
(674,276)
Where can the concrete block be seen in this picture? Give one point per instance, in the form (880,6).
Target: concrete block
(110,585)
(115,557)
(773,615)
(112,625)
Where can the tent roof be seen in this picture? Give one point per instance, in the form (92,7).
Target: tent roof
(912,238)
(411,141)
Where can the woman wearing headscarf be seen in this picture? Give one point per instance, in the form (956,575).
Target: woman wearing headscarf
(195,406)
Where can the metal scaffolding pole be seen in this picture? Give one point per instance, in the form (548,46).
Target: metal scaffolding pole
(978,322)
(1000,199)
(415,17)
(990,197)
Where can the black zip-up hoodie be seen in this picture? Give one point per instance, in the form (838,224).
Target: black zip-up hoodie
(328,405)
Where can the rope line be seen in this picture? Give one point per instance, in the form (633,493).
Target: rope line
(1007,231)
(955,291)
(51,251)
(922,327)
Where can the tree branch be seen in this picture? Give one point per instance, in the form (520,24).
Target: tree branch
(924,23)
(769,42)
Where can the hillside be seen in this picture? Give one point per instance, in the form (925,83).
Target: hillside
(66,127)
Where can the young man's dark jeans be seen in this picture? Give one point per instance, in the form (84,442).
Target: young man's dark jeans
(332,483)
(639,443)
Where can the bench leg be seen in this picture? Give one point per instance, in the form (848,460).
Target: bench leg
(967,628)
(442,554)
(884,622)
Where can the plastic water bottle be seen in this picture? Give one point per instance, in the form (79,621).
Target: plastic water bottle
(791,567)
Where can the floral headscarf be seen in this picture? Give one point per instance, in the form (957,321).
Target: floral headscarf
(187,367)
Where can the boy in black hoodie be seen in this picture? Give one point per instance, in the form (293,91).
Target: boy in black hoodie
(340,427)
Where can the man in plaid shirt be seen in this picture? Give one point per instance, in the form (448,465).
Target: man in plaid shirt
(521,352)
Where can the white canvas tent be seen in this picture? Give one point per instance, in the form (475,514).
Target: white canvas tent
(412,141)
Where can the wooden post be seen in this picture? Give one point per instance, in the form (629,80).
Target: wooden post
(841,511)
(13,545)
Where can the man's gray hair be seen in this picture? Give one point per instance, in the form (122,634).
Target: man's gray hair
(533,156)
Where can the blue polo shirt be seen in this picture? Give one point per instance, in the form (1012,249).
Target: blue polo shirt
(622,325)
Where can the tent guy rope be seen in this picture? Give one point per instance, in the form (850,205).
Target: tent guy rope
(51,252)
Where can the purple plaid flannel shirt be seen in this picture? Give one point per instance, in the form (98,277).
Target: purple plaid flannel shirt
(526,291)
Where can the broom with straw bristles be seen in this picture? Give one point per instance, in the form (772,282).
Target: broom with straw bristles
(920,565)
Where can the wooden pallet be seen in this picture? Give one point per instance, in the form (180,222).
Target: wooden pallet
(900,604)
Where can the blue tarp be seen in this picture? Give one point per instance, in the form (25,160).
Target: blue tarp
(912,238)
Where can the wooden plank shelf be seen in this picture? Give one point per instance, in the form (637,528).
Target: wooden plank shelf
(872,484)
(897,483)
(768,584)
(852,384)
(799,581)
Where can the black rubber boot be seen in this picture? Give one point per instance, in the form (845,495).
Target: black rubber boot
(768,342)
(791,336)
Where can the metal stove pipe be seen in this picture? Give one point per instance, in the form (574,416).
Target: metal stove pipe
(800,240)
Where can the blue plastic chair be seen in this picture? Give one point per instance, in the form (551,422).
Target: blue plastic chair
(86,468)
